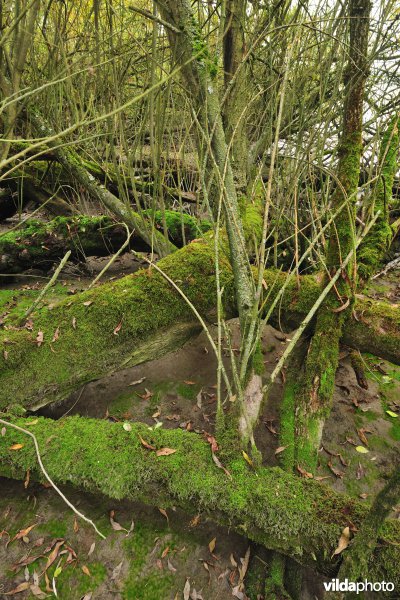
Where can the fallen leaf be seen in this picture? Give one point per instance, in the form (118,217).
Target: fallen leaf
(76,525)
(118,328)
(392,414)
(27,478)
(21,534)
(138,381)
(114,524)
(146,444)
(56,335)
(360,473)
(336,472)
(20,588)
(165,552)
(16,447)
(165,452)
(73,322)
(54,553)
(212,544)
(280,449)
(189,382)
(164,513)
(362,436)
(213,442)
(304,473)
(116,571)
(5,354)
(127,426)
(88,303)
(86,570)
(247,458)
(91,549)
(220,465)
(37,592)
(3,431)
(343,541)
(244,567)
(171,566)
(39,338)
(199,399)
(362,450)
(195,521)
(186,590)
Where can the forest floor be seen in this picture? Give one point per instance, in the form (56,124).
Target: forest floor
(151,554)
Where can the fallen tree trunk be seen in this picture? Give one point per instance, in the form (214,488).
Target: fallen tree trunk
(39,245)
(297,517)
(155,319)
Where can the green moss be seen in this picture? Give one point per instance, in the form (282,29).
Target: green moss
(72,584)
(144,580)
(55,528)
(274,508)
(187,391)
(182,228)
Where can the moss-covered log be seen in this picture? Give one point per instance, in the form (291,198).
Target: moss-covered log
(154,319)
(39,244)
(298,517)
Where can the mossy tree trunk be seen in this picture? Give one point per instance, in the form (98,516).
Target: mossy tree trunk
(198,69)
(154,320)
(355,565)
(300,518)
(376,244)
(317,385)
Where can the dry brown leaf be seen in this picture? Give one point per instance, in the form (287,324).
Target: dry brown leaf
(91,549)
(73,322)
(16,447)
(88,303)
(165,552)
(116,526)
(186,590)
(54,553)
(39,338)
(116,571)
(304,473)
(21,533)
(27,478)
(195,521)
(280,449)
(171,566)
(165,451)
(20,588)
(343,541)
(220,465)
(56,335)
(76,525)
(118,328)
(164,513)
(212,544)
(37,592)
(86,570)
(362,436)
(213,442)
(146,444)
(342,307)
(189,382)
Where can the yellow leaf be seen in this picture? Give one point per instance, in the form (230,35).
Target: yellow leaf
(16,447)
(247,458)
(212,544)
(392,414)
(361,449)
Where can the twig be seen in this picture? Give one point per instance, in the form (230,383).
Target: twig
(48,285)
(149,15)
(72,507)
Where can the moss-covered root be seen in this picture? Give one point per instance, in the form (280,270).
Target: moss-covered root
(315,390)
(182,228)
(357,558)
(274,583)
(376,243)
(297,517)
